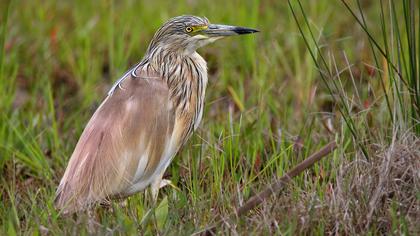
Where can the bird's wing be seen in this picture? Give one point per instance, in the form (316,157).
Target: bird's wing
(132,126)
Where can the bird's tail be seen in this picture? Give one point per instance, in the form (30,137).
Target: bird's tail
(65,200)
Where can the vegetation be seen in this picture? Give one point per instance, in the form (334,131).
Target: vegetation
(318,71)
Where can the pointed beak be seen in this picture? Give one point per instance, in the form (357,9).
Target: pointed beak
(226,30)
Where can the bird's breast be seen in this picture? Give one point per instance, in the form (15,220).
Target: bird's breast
(187,82)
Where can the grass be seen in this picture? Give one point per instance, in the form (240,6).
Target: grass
(330,70)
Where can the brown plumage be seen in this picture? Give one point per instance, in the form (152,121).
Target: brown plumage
(148,115)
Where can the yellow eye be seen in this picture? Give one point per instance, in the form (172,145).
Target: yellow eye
(189,29)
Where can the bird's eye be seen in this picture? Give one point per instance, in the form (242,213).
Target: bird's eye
(188,29)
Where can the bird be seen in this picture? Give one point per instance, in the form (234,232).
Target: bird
(147,116)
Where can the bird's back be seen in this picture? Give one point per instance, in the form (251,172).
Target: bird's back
(123,143)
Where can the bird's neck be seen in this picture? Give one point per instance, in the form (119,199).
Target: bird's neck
(186,76)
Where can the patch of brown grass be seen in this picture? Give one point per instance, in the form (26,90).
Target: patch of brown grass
(379,196)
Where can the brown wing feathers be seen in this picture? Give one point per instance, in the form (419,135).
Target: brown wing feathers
(134,122)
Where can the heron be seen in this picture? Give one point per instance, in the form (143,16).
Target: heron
(147,116)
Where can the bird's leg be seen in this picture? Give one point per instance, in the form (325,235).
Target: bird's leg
(92,221)
(157,184)
(154,188)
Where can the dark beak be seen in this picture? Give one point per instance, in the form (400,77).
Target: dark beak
(226,30)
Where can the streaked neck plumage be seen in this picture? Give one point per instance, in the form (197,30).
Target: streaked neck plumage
(186,76)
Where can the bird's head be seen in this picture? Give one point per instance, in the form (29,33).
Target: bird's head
(187,33)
